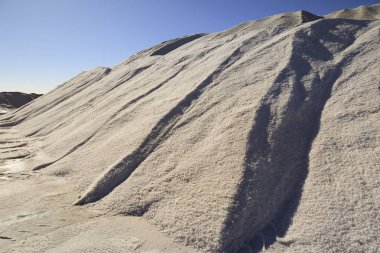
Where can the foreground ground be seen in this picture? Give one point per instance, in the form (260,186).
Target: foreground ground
(37,215)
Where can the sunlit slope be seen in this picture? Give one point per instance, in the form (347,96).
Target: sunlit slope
(221,140)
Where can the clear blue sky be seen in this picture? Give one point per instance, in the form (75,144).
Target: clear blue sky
(45,42)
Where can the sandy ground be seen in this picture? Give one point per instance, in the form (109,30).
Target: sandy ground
(37,215)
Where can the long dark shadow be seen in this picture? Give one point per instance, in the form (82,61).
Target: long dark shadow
(160,132)
(277,156)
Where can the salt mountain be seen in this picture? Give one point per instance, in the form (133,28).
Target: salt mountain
(266,131)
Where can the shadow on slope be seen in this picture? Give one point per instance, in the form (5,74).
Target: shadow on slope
(287,122)
(123,169)
(176,43)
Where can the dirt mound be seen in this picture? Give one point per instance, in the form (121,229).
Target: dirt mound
(16,99)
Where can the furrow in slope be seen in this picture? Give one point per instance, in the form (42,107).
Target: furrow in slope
(123,169)
(66,154)
(150,91)
(132,75)
(109,120)
(340,199)
(98,96)
(276,161)
(37,109)
(176,43)
(77,110)
(11,123)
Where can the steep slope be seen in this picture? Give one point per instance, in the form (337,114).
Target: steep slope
(230,141)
